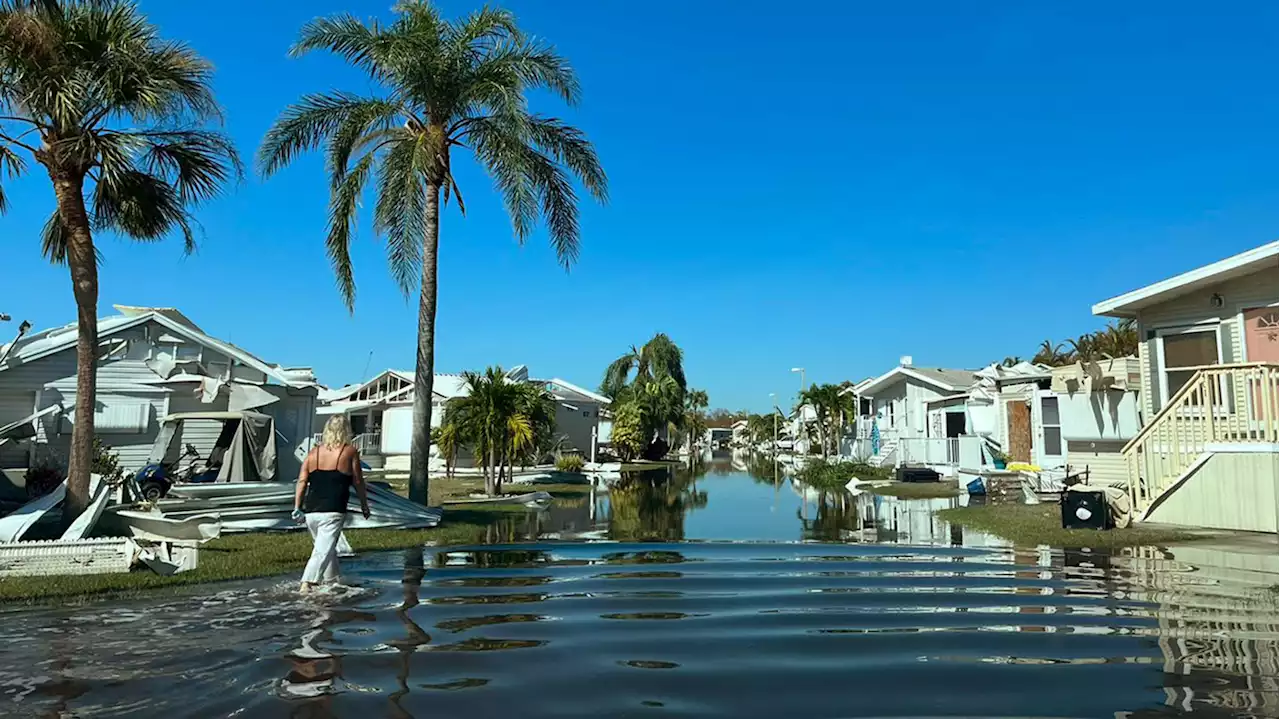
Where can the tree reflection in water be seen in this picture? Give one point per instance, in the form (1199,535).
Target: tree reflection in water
(648,506)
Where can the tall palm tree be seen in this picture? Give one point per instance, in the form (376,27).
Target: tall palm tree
(445,86)
(114,114)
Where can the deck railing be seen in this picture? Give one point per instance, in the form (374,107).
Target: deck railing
(1220,403)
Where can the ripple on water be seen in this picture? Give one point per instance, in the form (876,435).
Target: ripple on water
(732,630)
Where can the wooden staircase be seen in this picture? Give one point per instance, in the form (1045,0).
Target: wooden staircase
(1236,403)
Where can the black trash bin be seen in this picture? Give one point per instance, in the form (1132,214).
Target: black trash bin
(1085,510)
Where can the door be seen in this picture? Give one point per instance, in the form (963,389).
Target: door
(1262,344)
(1019,431)
(1049,450)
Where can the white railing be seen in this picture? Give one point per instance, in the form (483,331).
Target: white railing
(940,451)
(368,443)
(1220,403)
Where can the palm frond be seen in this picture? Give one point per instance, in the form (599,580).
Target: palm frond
(342,219)
(362,129)
(142,206)
(617,373)
(198,163)
(570,147)
(306,124)
(400,211)
(362,45)
(53,242)
(11,166)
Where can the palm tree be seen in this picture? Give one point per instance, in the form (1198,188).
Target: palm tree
(446,86)
(1050,354)
(658,358)
(499,419)
(114,115)
(652,378)
(696,402)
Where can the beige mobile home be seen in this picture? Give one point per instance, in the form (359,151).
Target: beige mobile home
(1206,454)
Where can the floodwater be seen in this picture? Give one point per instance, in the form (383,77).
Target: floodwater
(728,591)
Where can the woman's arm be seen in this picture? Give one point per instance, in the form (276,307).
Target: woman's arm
(303,474)
(358,472)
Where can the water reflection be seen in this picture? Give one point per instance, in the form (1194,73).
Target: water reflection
(897,614)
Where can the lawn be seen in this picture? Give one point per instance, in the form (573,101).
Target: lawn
(248,556)
(1030,525)
(917,490)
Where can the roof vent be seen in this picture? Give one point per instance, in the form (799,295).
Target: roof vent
(905,360)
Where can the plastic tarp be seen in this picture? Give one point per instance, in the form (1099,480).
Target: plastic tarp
(252,454)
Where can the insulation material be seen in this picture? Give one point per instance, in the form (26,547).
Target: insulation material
(209,389)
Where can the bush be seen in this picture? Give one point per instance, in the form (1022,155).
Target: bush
(821,474)
(571,463)
(628,438)
(42,477)
(106,463)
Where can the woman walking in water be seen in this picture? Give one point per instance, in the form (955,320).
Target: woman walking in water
(324,488)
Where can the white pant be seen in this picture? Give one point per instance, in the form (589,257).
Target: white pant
(325,528)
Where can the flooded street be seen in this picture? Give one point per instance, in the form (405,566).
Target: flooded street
(727,591)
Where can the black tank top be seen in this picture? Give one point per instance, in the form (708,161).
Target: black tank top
(328,490)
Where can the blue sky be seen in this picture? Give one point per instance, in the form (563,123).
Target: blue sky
(824,184)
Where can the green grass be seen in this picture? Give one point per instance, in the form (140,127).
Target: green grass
(823,475)
(917,490)
(1031,525)
(247,556)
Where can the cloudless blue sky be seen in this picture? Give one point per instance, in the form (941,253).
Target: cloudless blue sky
(825,184)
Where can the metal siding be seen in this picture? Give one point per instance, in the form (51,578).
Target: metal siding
(1231,490)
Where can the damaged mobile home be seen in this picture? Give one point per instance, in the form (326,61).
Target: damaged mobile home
(225,430)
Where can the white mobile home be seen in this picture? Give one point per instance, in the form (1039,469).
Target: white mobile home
(1206,454)
(381,412)
(153,362)
(900,403)
(1098,409)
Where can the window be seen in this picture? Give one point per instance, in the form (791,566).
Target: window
(186,352)
(1049,419)
(586,413)
(1188,347)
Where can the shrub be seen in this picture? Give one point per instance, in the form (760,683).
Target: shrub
(833,475)
(572,463)
(628,438)
(43,476)
(106,463)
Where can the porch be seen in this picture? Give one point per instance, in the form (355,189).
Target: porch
(1222,409)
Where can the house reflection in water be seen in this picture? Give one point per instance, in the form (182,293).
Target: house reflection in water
(1218,627)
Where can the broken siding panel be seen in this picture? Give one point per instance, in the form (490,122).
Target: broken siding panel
(14,405)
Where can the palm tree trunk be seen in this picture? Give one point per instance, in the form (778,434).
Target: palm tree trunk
(83,264)
(424,372)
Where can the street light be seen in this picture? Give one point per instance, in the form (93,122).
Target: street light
(801,371)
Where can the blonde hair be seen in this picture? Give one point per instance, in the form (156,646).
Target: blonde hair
(337,432)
